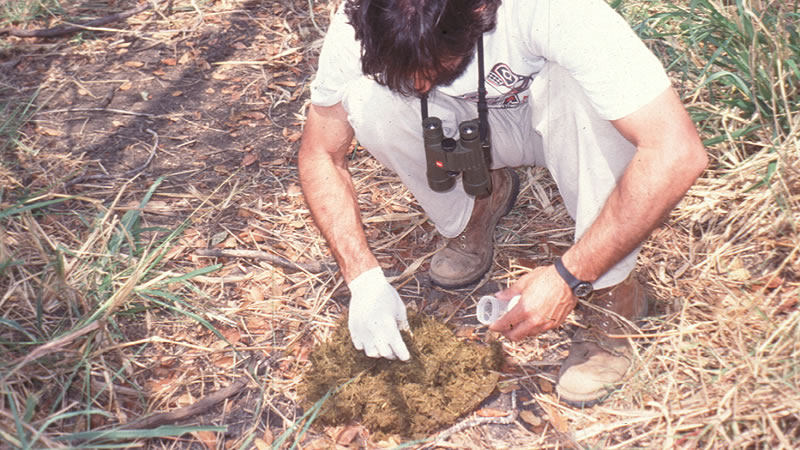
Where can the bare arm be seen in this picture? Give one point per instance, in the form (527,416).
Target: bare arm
(377,314)
(328,188)
(669,158)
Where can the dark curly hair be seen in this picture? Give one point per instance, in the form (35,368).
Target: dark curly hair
(403,39)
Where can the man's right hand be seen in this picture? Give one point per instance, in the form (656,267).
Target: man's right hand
(377,314)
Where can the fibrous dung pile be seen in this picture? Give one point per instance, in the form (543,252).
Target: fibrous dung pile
(445,378)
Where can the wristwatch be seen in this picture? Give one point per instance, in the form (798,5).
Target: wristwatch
(581,289)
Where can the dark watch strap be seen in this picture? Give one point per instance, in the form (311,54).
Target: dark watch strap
(581,289)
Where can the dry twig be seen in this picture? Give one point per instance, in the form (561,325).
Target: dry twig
(65,29)
(198,407)
(269,257)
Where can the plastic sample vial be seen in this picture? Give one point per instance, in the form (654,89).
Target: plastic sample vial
(491,308)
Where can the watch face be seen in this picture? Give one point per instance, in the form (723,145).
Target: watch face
(583,289)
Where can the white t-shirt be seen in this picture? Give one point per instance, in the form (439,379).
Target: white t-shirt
(586,37)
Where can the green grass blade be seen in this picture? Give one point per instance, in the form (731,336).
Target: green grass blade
(68,415)
(311,415)
(17,420)
(150,295)
(11,440)
(119,434)
(130,220)
(192,274)
(21,209)
(8,263)
(13,324)
(735,135)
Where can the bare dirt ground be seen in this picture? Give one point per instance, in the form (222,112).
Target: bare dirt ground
(210,97)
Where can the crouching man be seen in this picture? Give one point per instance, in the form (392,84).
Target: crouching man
(569,87)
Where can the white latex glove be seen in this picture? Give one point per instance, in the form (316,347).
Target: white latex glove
(376,316)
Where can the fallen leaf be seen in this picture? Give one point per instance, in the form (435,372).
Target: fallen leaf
(789,303)
(508,386)
(255,236)
(257,324)
(771,281)
(318,444)
(530,418)
(218,345)
(303,352)
(256,294)
(447,308)
(51,132)
(185,400)
(218,238)
(256,115)
(249,158)
(159,72)
(528,263)
(177,93)
(399,208)
(277,288)
(169,61)
(156,386)
(269,438)
(491,412)
(261,444)
(466,332)
(391,441)
(295,136)
(557,419)
(347,435)
(226,362)
(546,385)
(134,64)
(98,421)
(193,238)
(741,274)
(208,438)
(233,335)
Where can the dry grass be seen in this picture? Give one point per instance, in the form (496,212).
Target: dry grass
(109,313)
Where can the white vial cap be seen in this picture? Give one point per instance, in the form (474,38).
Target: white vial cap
(491,308)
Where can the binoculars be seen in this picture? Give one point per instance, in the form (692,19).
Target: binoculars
(446,158)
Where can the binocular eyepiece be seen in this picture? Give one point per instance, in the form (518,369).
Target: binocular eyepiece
(446,158)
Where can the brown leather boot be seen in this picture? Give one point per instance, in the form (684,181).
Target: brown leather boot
(597,363)
(467,257)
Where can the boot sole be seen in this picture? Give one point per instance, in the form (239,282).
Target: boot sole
(586,402)
(512,201)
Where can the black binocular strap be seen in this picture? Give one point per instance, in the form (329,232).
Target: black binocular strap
(483,107)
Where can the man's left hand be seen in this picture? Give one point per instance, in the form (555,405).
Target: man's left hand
(545,303)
